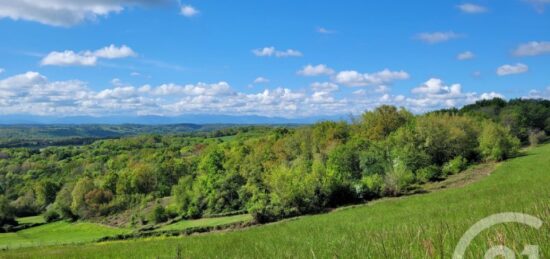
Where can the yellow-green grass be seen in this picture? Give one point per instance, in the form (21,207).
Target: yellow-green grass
(31,220)
(419,226)
(207,222)
(60,232)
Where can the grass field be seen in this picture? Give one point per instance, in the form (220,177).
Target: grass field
(207,222)
(31,219)
(421,226)
(57,233)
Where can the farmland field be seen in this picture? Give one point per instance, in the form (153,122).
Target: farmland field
(425,225)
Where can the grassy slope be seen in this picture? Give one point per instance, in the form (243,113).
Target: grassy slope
(31,219)
(417,226)
(57,233)
(206,222)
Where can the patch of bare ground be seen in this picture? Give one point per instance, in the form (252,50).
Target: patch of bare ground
(470,175)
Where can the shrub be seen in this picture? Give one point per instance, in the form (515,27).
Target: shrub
(536,137)
(397,180)
(7,212)
(51,215)
(158,214)
(427,174)
(371,186)
(455,166)
(497,143)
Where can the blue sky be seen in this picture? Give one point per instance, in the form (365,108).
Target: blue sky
(168,58)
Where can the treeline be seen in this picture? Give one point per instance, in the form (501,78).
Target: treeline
(527,119)
(270,172)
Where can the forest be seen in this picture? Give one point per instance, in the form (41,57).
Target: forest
(270,172)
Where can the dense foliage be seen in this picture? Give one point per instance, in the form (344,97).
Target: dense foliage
(269,172)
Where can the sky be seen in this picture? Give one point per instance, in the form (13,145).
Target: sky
(286,58)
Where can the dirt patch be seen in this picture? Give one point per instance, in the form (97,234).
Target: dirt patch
(470,175)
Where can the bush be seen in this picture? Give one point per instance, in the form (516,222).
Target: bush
(397,180)
(158,214)
(371,186)
(455,166)
(427,174)
(496,143)
(51,215)
(536,137)
(7,212)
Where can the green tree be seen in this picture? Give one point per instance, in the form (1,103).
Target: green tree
(7,212)
(496,143)
(380,123)
(45,191)
(78,204)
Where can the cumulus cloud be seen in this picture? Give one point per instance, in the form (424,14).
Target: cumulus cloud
(67,12)
(188,11)
(465,55)
(437,37)
(112,52)
(33,93)
(435,94)
(261,80)
(317,70)
(533,48)
(435,87)
(324,87)
(86,58)
(539,94)
(354,78)
(271,51)
(471,8)
(518,68)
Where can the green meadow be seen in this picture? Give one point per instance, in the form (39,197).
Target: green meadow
(206,222)
(58,233)
(420,226)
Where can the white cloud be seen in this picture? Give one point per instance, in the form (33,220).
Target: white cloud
(533,48)
(271,51)
(317,70)
(2,70)
(112,52)
(354,78)
(437,37)
(188,11)
(435,94)
(539,94)
(67,12)
(435,86)
(324,87)
(33,93)
(465,55)
(69,58)
(512,69)
(491,95)
(323,30)
(261,80)
(472,8)
(86,58)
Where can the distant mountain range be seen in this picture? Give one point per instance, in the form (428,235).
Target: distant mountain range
(155,120)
